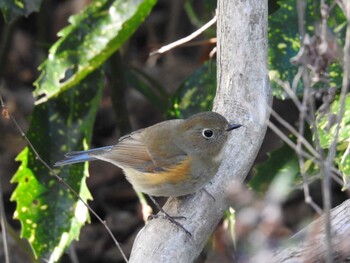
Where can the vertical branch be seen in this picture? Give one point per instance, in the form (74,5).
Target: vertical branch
(333,146)
(326,168)
(3,226)
(303,117)
(243,95)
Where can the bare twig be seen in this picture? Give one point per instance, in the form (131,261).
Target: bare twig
(326,182)
(3,225)
(60,179)
(332,149)
(5,114)
(336,175)
(286,86)
(293,131)
(185,39)
(302,118)
(333,146)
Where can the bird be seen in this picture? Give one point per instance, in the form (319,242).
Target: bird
(172,158)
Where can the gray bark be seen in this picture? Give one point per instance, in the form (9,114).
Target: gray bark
(309,245)
(243,96)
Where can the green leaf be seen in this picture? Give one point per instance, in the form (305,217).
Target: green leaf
(277,173)
(344,166)
(326,130)
(326,124)
(284,43)
(200,12)
(51,216)
(148,86)
(87,42)
(13,9)
(196,93)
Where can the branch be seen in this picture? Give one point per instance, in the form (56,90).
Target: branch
(184,40)
(309,244)
(244,96)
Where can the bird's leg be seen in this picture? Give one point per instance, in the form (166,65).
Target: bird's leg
(167,216)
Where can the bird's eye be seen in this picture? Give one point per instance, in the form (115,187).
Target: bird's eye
(207,133)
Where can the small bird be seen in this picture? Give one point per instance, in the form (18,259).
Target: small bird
(171,158)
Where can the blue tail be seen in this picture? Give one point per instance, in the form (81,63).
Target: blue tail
(82,156)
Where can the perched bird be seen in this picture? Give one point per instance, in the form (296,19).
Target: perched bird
(171,158)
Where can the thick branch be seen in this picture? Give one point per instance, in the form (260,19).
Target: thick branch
(309,244)
(243,96)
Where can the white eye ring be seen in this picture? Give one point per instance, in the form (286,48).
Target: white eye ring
(207,133)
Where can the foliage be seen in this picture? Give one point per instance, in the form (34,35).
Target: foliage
(281,167)
(71,85)
(87,42)
(327,128)
(196,93)
(285,47)
(13,9)
(51,216)
(286,53)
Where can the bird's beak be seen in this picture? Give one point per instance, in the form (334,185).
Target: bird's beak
(233,126)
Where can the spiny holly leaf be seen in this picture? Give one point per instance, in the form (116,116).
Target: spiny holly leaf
(51,216)
(326,129)
(12,9)
(196,93)
(87,42)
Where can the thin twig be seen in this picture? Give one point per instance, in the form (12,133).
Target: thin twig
(288,141)
(3,225)
(336,175)
(293,131)
(286,86)
(60,179)
(185,39)
(5,114)
(302,118)
(326,183)
(333,146)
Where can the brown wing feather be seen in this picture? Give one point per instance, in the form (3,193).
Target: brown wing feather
(131,152)
(156,153)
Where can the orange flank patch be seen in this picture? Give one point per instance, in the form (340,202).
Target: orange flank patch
(175,174)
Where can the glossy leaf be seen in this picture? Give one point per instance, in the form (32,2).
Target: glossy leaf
(93,35)
(344,166)
(196,93)
(276,173)
(13,9)
(284,45)
(326,129)
(50,215)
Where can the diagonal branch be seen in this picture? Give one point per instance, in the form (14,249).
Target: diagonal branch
(308,245)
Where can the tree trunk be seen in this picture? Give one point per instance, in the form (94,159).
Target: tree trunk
(243,96)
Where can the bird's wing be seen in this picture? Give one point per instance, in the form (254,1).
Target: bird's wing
(133,151)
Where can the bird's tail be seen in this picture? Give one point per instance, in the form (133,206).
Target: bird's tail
(82,156)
